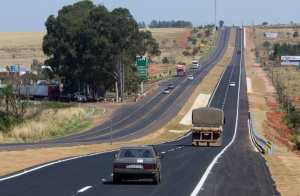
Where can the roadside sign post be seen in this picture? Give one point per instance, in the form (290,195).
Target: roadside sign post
(110,132)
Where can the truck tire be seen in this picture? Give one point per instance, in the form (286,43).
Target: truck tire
(117,179)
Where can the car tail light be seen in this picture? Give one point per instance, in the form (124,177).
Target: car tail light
(217,132)
(119,166)
(150,166)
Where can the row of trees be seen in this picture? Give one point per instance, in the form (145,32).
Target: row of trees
(170,24)
(284,49)
(91,46)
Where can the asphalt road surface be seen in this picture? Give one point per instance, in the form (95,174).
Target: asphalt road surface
(235,168)
(145,117)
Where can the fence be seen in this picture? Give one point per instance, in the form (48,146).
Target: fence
(261,144)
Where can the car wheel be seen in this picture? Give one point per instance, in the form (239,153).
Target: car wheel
(156,178)
(117,179)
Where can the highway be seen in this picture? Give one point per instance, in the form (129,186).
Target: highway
(139,119)
(235,168)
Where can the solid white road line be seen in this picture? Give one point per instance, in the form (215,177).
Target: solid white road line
(204,177)
(84,189)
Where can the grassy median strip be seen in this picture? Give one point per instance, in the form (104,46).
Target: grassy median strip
(18,160)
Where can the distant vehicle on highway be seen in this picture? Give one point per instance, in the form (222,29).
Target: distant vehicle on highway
(166,91)
(180,70)
(137,162)
(239,51)
(80,96)
(170,86)
(231,84)
(190,77)
(196,64)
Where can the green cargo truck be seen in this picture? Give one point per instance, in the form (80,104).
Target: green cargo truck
(207,127)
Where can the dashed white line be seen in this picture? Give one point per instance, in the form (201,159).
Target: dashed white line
(163,152)
(84,189)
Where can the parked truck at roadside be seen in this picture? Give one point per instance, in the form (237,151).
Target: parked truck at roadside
(180,70)
(207,127)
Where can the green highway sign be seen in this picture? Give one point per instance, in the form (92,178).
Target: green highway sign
(141,61)
(142,68)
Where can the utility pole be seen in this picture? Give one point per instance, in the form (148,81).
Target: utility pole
(216,13)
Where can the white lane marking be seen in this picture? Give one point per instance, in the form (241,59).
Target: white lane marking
(53,163)
(163,152)
(215,90)
(225,98)
(204,177)
(84,189)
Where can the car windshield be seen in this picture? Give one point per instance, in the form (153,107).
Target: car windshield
(136,153)
(81,94)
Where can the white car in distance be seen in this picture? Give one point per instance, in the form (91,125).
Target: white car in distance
(190,77)
(231,84)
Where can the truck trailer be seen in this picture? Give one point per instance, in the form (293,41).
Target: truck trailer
(40,91)
(180,70)
(207,127)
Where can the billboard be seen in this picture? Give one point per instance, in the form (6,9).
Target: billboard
(290,60)
(268,35)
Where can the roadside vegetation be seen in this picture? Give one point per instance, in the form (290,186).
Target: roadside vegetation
(285,79)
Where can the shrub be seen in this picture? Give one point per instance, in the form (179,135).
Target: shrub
(186,53)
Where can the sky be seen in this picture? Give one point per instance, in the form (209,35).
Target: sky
(30,15)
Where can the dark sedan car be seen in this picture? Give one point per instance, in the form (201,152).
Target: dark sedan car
(170,86)
(137,162)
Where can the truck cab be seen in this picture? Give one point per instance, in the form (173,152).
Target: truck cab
(196,64)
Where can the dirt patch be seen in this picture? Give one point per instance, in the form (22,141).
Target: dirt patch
(283,164)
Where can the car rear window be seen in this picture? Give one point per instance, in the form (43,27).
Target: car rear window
(136,153)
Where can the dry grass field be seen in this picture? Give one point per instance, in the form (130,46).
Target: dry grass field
(20,48)
(284,35)
(168,35)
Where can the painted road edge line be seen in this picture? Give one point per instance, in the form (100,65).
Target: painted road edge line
(208,170)
(84,189)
